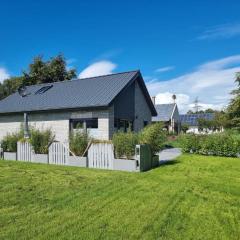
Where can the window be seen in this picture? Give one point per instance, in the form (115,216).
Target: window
(43,89)
(92,123)
(145,123)
(81,123)
(123,125)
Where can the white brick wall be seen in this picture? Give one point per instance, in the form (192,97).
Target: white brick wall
(9,124)
(58,122)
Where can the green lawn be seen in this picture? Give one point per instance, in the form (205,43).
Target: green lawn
(195,197)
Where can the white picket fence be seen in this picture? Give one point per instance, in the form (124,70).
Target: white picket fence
(58,153)
(100,155)
(25,151)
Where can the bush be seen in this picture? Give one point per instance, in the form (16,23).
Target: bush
(190,143)
(9,142)
(78,143)
(154,136)
(41,140)
(221,144)
(124,144)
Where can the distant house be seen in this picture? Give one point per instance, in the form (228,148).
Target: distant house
(192,120)
(168,114)
(101,105)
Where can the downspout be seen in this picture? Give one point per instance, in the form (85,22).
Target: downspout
(26,130)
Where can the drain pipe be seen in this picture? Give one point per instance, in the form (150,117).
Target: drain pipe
(26,130)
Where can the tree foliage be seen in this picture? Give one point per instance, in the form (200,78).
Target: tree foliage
(40,71)
(217,123)
(233,109)
(184,127)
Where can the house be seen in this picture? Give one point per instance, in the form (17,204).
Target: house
(101,105)
(191,120)
(168,114)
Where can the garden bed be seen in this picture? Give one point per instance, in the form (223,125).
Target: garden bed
(40,158)
(77,161)
(10,156)
(128,165)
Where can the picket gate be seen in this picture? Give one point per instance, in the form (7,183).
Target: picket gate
(25,152)
(100,155)
(58,153)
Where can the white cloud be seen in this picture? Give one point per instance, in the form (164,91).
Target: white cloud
(98,69)
(221,31)
(211,82)
(3,74)
(182,100)
(165,69)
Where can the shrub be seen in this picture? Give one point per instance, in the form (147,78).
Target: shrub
(124,144)
(190,143)
(154,136)
(40,140)
(9,142)
(79,142)
(221,144)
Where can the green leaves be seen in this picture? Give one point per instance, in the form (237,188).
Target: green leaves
(124,144)
(233,109)
(78,143)
(40,71)
(153,135)
(222,144)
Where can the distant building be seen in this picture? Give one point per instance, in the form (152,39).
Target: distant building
(192,120)
(168,114)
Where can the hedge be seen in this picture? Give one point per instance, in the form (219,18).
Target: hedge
(124,144)
(40,140)
(221,144)
(153,135)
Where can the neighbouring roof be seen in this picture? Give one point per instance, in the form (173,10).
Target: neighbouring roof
(164,112)
(80,93)
(192,119)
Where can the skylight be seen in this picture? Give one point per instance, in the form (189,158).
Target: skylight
(43,89)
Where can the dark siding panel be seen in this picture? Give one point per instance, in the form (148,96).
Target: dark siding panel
(124,104)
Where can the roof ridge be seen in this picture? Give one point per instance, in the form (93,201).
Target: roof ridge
(80,79)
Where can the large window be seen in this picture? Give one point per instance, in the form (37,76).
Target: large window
(89,123)
(123,125)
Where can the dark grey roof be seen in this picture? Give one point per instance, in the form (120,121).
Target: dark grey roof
(80,93)
(164,112)
(192,119)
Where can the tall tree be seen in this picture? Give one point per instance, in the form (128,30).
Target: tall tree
(233,109)
(40,71)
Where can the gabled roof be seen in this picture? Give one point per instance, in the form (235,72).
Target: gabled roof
(192,119)
(79,93)
(164,112)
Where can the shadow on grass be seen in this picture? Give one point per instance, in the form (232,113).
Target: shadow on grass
(164,163)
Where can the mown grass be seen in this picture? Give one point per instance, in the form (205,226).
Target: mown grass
(195,197)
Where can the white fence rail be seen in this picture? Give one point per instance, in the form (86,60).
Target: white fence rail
(25,151)
(58,153)
(100,155)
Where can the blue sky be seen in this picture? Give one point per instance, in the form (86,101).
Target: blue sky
(190,48)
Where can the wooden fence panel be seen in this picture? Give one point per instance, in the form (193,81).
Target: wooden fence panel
(100,155)
(58,153)
(25,151)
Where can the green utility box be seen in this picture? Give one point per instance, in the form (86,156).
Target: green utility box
(144,157)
